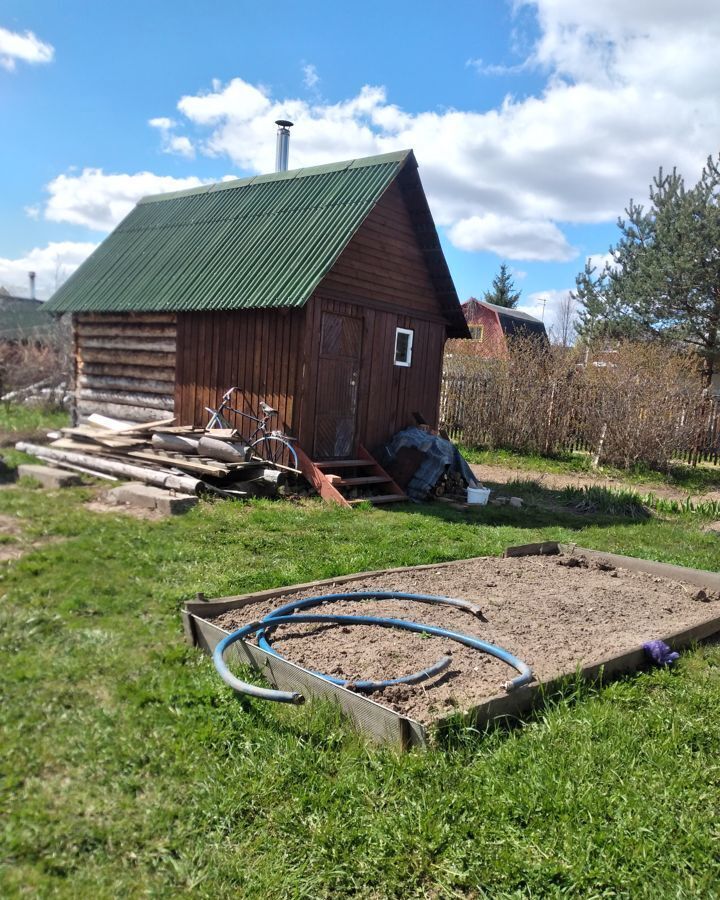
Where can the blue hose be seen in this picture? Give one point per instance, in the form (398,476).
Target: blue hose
(276,618)
(368,686)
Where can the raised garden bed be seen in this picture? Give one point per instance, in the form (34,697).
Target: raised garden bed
(560,609)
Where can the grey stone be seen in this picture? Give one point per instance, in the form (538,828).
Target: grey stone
(149,497)
(175,504)
(136,494)
(48,476)
(516,501)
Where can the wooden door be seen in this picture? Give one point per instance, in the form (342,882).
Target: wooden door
(336,399)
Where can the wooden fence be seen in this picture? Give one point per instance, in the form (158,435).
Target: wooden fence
(560,417)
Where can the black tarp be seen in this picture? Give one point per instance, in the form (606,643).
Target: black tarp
(440,457)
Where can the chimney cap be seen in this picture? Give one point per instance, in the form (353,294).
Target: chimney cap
(284,123)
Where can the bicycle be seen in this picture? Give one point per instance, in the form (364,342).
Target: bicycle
(272,446)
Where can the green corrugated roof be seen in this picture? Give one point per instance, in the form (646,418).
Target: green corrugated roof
(255,242)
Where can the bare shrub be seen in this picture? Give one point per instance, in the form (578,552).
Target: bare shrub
(638,404)
(25,363)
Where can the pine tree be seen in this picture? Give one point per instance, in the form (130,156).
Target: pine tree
(664,280)
(503,290)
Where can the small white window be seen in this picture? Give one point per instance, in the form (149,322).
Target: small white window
(403,346)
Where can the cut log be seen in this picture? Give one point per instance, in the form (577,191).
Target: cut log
(175,442)
(117,370)
(125,398)
(186,484)
(131,414)
(167,332)
(121,383)
(146,345)
(224,450)
(128,357)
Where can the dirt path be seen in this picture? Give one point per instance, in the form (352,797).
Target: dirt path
(504,474)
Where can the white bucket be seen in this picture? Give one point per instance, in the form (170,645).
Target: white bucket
(478,496)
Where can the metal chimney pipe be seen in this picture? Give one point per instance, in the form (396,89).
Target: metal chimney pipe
(282,147)
(32,285)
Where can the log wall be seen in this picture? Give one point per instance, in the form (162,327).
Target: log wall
(125,365)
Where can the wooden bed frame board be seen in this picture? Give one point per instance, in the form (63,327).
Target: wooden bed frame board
(383,725)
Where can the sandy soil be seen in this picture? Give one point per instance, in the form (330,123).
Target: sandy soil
(503,474)
(553,612)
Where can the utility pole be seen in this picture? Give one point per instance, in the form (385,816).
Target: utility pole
(543,301)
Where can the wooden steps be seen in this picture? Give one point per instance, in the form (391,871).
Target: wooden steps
(349,482)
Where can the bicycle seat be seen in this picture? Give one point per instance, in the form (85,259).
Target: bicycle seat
(268,410)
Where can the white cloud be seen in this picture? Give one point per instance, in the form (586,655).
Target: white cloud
(162,122)
(99,200)
(26,47)
(600,260)
(628,88)
(512,238)
(311,79)
(172,143)
(52,265)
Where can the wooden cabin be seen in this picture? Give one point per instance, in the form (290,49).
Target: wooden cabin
(322,291)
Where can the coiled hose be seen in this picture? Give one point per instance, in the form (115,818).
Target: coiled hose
(280,616)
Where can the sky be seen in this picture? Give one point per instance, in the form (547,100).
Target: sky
(533,121)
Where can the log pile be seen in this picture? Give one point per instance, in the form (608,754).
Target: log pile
(183,458)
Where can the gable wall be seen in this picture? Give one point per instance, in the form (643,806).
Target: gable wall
(384,263)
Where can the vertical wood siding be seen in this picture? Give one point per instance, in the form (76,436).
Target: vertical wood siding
(388,395)
(257,350)
(125,365)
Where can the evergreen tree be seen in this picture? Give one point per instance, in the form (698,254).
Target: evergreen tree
(664,280)
(503,291)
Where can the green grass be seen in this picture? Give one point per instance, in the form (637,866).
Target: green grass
(128,769)
(694,479)
(16,419)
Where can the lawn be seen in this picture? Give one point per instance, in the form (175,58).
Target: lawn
(128,769)
(684,477)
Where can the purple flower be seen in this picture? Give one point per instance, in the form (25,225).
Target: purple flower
(660,653)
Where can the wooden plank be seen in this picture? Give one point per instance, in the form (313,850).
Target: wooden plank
(377,499)
(544,548)
(377,722)
(180,462)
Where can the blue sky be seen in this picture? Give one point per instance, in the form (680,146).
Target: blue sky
(533,121)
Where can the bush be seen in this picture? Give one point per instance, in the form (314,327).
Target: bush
(25,363)
(639,404)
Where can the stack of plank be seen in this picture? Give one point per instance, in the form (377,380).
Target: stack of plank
(218,458)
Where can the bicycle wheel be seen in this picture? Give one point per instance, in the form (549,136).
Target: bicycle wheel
(276,450)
